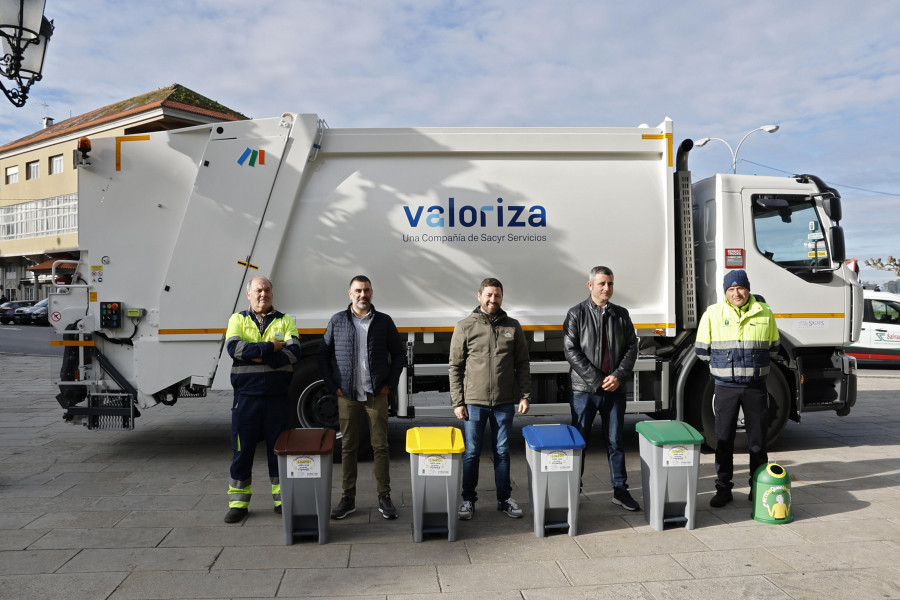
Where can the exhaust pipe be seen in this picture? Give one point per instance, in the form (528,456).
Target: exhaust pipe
(681,156)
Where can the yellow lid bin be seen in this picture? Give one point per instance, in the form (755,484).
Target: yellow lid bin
(435,468)
(434,440)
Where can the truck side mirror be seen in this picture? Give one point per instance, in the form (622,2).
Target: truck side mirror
(838,247)
(832,206)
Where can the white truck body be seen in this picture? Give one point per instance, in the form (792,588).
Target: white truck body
(174,224)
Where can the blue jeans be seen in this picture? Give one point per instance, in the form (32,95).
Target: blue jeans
(501,418)
(611,407)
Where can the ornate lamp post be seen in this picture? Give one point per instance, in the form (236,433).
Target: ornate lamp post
(734,153)
(25,32)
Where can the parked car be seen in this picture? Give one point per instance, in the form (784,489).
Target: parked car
(8,309)
(879,339)
(39,313)
(22,316)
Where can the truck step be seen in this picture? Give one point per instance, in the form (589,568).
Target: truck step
(112,411)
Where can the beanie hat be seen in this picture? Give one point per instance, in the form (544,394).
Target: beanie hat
(736,277)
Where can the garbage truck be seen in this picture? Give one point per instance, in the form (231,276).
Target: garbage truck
(173,225)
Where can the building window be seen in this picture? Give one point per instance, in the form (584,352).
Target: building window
(32,169)
(50,216)
(12,175)
(10,271)
(29,292)
(56,164)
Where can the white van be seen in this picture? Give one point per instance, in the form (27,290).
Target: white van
(879,338)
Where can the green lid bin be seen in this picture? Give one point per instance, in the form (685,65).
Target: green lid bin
(670,462)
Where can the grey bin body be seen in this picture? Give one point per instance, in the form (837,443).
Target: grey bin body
(670,462)
(553,453)
(305,458)
(435,466)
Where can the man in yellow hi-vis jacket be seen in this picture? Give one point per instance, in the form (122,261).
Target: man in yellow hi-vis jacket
(735,337)
(264,345)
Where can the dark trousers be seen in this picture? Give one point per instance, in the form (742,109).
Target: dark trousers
(253,419)
(611,407)
(753,399)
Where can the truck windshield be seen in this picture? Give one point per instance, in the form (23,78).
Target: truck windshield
(788,231)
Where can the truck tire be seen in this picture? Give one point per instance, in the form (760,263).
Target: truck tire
(312,405)
(779,409)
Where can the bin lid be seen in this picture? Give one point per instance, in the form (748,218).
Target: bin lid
(552,437)
(305,441)
(664,433)
(434,440)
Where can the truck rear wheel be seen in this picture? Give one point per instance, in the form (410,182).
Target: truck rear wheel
(779,409)
(313,405)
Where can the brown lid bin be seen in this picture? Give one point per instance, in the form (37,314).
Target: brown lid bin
(305,441)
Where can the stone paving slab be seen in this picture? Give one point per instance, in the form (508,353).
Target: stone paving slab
(117,515)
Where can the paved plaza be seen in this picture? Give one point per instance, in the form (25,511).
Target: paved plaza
(138,515)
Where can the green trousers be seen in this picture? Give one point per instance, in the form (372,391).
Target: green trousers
(351,412)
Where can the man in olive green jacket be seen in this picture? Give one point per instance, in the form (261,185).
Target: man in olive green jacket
(489,376)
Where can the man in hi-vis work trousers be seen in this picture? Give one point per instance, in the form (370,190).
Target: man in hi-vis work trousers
(735,337)
(264,345)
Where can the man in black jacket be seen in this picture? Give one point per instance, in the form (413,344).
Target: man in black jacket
(361,358)
(601,347)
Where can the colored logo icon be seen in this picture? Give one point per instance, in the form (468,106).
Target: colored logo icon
(255,156)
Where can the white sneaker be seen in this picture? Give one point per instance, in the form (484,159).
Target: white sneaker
(511,508)
(466,510)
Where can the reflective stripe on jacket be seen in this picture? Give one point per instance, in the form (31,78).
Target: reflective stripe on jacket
(245,342)
(736,341)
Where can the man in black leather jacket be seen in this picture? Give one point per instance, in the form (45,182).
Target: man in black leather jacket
(601,347)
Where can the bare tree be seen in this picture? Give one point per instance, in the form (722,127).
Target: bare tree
(892,264)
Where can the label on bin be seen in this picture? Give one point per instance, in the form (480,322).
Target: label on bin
(304,466)
(677,456)
(435,465)
(557,460)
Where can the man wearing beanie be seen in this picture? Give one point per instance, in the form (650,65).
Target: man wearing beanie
(735,338)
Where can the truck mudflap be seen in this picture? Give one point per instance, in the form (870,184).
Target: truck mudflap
(826,381)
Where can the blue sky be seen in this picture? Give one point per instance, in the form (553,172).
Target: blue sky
(827,72)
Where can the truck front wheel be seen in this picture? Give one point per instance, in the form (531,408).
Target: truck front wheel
(779,409)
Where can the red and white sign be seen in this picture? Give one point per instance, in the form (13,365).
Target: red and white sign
(55,316)
(734,258)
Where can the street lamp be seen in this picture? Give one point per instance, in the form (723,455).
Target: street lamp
(734,153)
(25,32)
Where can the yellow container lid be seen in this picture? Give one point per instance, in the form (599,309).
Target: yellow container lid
(434,440)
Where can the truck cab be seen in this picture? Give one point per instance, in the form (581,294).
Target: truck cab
(785,233)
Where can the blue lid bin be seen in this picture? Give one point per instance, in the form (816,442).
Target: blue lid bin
(554,459)
(670,463)
(305,458)
(435,468)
